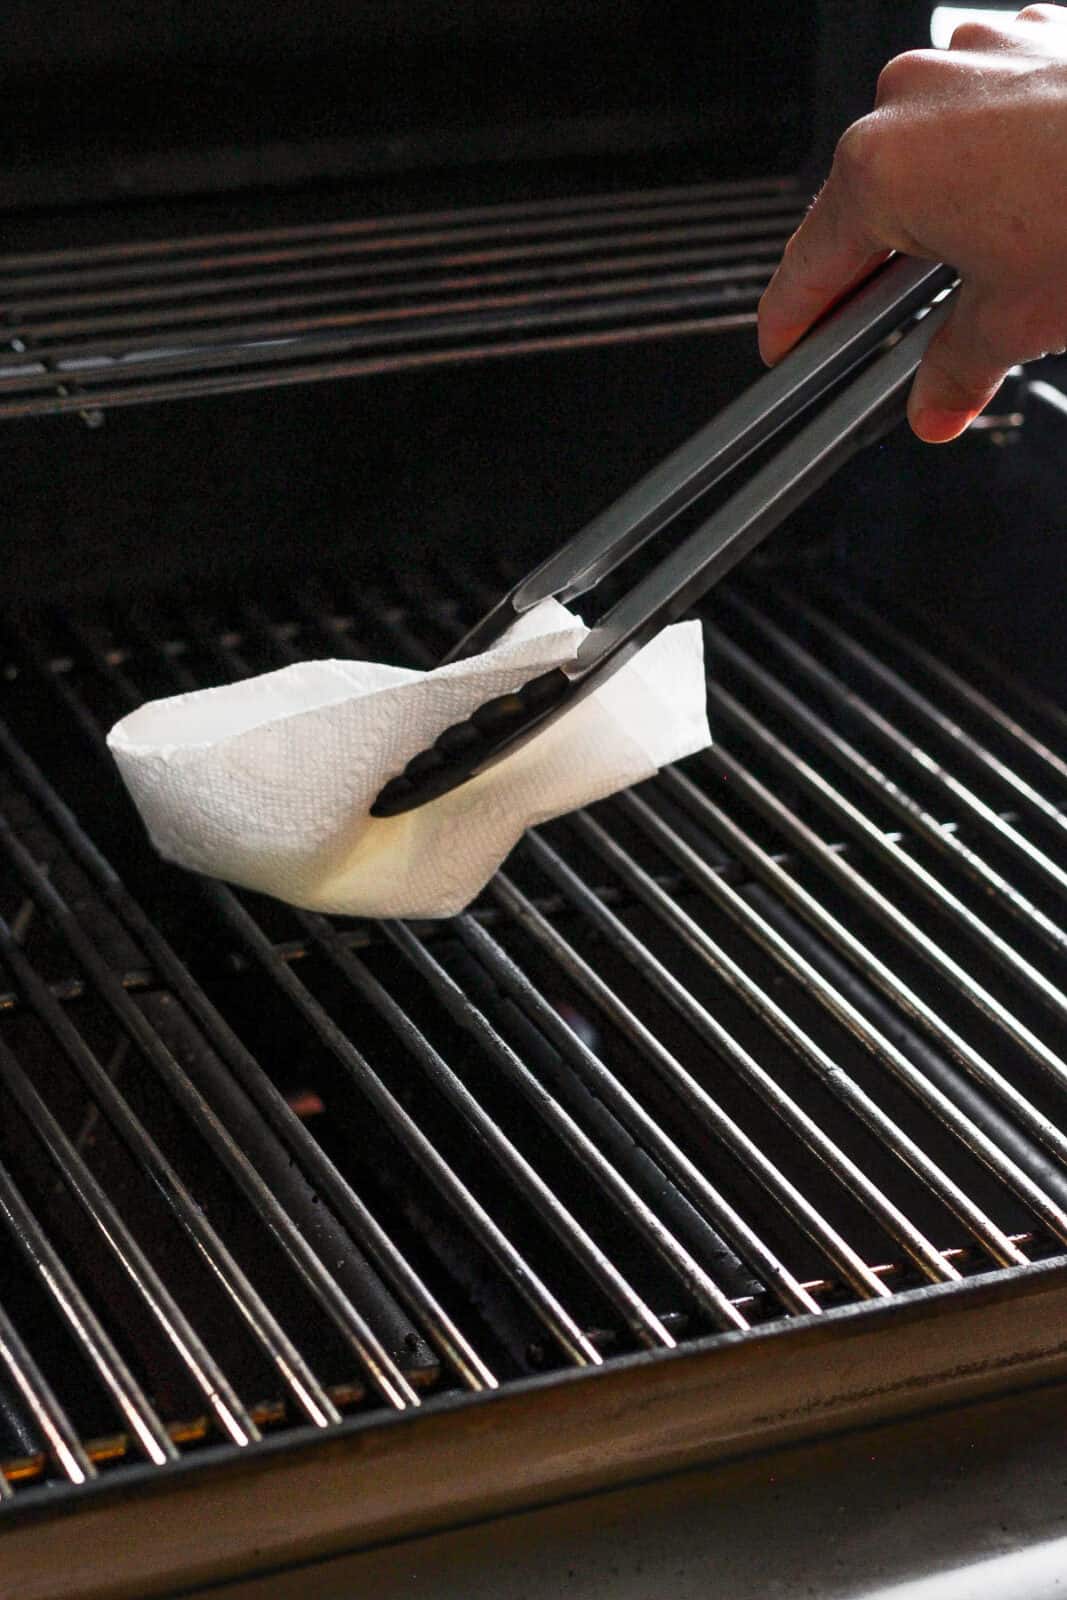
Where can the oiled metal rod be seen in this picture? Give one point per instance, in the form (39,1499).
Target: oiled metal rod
(203,359)
(710,1116)
(733,194)
(707,1027)
(36,318)
(948,678)
(347,1205)
(286,375)
(643,1128)
(875,1042)
(88,1332)
(847,756)
(58,1433)
(745,261)
(553,1211)
(76,357)
(630,1206)
(293,1371)
(838,935)
(590,231)
(884,910)
(486,1232)
(383,1371)
(924,882)
(834,1077)
(321,933)
(969,803)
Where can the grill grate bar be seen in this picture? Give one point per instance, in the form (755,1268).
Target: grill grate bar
(958,685)
(905,866)
(698,1283)
(492,1238)
(878,1045)
(905,805)
(973,749)
(54,1426)
(291,1367)
(642,1127)
(173,320)
(132,1404)
(839,936)
(325,371)
(732,192)
(713,1033)
(911,1238)
(347,1205)
(584,233)
(735,264)
(883,909)
(628,1202)
(697,1099)
(575,1238)
(382,1369)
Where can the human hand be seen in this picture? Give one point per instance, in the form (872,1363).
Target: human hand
(963,159)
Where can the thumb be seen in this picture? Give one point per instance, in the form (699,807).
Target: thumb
(960,373)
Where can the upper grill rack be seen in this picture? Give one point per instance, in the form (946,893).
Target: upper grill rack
(113,325)
(773,1035)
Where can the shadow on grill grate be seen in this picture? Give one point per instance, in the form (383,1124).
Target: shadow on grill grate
(775,1034)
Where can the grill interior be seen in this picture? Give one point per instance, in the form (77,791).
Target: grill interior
(777,1033)
(118,324)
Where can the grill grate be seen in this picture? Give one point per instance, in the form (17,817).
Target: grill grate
(772,1036)
(114,325)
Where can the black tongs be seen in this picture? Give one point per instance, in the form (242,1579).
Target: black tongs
(890,318)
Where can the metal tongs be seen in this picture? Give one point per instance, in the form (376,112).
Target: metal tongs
(880,333)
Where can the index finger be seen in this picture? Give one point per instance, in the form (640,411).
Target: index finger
(831,251)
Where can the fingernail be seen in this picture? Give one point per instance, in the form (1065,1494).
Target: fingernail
(936,426)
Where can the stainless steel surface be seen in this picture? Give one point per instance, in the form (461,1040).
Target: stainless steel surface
(688,1066)
(88,329)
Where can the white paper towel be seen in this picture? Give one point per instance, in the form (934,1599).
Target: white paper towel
(269,782)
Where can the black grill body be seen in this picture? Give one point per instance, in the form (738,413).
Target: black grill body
(734,1109)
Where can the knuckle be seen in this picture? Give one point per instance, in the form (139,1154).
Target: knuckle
(898,76)
(1042,14)
(975,35)
(857,153)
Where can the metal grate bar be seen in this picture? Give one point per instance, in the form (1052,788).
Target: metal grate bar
(552,1313)
(883,909)
(839,937)
(694,1097)
(713,218)
(382,1369)
(737,263)
(292,1369)
(628,1202)
(181,317)
(642,1321)
(948,678)
(734,192)
(906,806)
(925,1255)
(904,865)
(939,1104)
(89,1333)
(641,1126)
(970,747)
(51,1421)
(698,1283)
(724,1045)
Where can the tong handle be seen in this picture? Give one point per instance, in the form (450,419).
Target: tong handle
(851,331)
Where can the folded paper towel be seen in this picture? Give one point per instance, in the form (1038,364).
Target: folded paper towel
(269,783)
